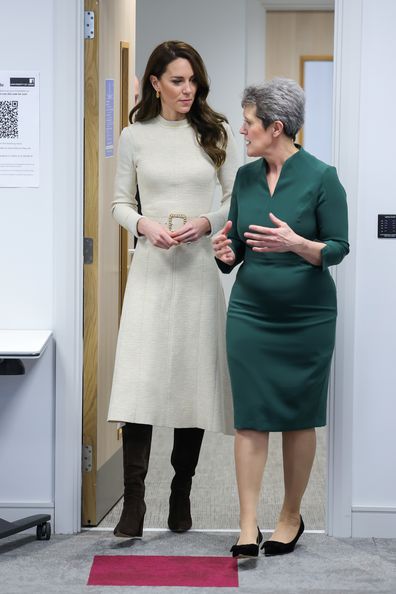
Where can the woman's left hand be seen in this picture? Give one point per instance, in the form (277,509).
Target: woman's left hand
(192,230)
(281,238)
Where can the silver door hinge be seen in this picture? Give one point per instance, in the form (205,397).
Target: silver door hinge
(87,458)
(88,250)
(89,24)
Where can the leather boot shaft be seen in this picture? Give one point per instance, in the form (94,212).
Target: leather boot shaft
(136,445)
(184,459)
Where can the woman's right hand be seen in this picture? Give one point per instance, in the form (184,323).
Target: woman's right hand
(221,245)
(158,235)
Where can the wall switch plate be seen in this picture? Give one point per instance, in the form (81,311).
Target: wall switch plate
(387,226)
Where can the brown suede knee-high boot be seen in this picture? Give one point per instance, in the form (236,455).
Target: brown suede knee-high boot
(136,445)
(184,459)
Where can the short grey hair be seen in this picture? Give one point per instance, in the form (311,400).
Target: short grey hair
(278,99)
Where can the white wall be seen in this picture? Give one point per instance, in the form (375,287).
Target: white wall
(374,398)
(208,26)
(41,239)
(26,298)
(229,35)
(318,123)
(26,232)
(366,354)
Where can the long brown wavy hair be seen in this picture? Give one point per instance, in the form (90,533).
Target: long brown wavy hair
(209,131)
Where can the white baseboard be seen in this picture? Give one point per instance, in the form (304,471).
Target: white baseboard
(16,510)
(374,522)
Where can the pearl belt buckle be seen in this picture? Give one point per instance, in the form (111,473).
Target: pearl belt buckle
(172,216)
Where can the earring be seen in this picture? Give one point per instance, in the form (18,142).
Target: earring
(157,94)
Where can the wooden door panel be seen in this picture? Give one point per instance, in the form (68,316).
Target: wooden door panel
(91,189)
(106,58)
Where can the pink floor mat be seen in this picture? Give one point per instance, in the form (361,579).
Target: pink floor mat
(123,570)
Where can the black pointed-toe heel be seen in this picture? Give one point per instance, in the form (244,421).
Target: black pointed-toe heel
(247,550)
(273,547)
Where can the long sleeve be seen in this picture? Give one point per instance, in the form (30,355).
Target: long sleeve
(237,245)
(332,219)
(125,206)
(226,176)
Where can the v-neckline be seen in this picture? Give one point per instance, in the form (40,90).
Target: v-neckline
(264,163)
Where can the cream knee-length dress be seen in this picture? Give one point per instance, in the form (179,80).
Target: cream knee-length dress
(170,367)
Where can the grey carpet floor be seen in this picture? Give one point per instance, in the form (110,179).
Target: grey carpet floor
(319,565)
(214,495)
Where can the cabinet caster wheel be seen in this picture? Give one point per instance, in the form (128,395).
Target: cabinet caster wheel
(43,531)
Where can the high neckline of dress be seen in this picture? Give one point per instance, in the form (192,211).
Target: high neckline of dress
(173,123)
(284,166)
(289,159)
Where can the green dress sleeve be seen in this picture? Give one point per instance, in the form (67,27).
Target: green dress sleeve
(332,219)
(237,245)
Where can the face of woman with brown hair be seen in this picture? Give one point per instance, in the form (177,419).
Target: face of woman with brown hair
(177,87)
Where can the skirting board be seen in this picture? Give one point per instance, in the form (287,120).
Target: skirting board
(373,522)
(22,509)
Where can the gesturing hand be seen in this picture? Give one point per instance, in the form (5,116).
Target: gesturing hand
(267,239)
(221,245)
(156,233)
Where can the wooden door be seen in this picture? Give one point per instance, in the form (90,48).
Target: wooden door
(107,99)
(124,113)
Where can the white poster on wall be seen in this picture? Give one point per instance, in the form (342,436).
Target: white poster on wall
(19,129)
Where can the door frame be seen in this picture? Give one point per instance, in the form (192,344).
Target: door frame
(68,258)
(346,131)
(124,114)
(68,224)
(91,268)
(102,483)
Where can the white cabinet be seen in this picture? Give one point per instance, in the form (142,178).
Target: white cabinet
(27,422)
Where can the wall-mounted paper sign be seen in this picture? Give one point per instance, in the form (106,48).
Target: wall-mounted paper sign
(19,129)
(109,118)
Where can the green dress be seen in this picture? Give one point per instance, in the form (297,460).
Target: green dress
(282,312)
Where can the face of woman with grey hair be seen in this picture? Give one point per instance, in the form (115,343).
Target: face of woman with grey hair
(259,140)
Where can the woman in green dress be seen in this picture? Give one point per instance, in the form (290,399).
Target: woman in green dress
(287,225)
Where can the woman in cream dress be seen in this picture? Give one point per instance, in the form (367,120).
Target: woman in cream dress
(170,365)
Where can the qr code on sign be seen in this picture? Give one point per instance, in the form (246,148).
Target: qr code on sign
(8,119)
